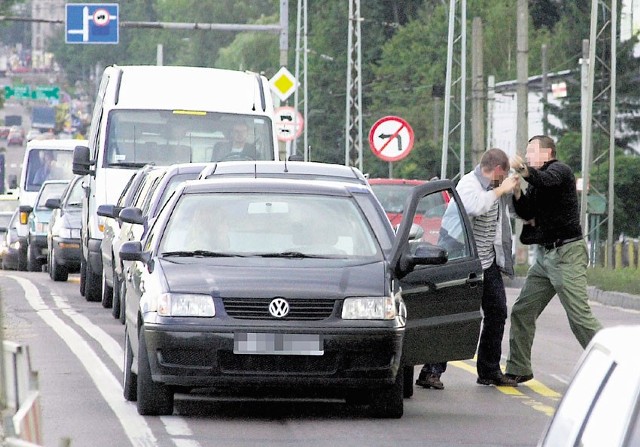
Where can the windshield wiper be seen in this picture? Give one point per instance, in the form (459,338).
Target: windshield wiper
(291,254)
(200,253)
(129,164)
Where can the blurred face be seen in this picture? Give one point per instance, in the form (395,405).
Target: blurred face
(498,175)
(240,133)
(536,155)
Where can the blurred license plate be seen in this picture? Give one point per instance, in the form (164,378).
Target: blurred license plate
(281,344)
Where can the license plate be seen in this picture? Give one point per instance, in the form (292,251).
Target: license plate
(280,344)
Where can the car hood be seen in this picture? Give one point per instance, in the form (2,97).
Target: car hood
(42,215)
(73,218)
(287,278)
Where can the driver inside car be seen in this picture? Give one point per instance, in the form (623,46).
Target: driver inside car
(237,147)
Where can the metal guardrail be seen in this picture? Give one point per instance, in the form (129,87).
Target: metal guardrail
(23,422)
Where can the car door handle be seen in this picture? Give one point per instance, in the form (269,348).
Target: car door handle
(473,280)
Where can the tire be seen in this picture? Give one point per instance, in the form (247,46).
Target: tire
(93,284)
(407,388)
(122,315)
(57,272)
(115,305)
(129,378)
(83,274)
(107,292)
(153,398)
(22,259)
(33,263)
(388,402)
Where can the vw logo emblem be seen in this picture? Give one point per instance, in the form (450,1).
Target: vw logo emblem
(278,307)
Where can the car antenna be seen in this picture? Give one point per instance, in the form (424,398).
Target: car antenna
(285,165)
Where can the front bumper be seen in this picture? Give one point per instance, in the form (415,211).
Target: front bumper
(352,358)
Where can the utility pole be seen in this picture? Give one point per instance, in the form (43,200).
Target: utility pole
(545,89)
(522,65)
(301,53)
(477,92)
(353,120)
(455,87)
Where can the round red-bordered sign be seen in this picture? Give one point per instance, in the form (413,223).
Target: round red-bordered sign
(391,138)
(289,123)
(101,17)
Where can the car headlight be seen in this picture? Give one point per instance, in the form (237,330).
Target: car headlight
(185,305)
(369,308)
(42,227)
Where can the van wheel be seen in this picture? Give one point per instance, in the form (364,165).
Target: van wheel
(153,398)
(33,263)
(93,284)
(115,304)
(129,379)
(83,274)
(388,402)
(107,292)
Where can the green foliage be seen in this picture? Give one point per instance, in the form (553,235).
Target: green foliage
(626,280)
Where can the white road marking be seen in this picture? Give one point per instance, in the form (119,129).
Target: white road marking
(134,425)
(110,346)
(185,443)
(176,426)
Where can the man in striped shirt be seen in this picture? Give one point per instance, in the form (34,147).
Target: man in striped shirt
(485,193)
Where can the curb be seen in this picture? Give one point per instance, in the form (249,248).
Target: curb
(616,299)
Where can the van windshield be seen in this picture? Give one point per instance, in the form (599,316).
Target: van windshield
(48,164)
(165,137)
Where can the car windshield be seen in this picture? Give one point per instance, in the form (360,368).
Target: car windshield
(165,137)
(271,225)
(48,164)
(49,191)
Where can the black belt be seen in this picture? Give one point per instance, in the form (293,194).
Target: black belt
(560,242)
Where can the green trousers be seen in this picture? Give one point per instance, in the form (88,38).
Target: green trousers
(561,271)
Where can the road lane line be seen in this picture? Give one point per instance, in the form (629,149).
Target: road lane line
(110,346)
(134,425)
(176,426)
(185,443)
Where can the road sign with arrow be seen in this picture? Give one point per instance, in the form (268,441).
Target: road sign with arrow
(391,138)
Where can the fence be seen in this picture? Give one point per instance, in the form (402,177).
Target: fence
(23,424)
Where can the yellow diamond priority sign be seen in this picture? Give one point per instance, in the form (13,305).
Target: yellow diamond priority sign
(283,83)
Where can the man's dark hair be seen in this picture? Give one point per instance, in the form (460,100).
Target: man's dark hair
(546,142)
(495,157)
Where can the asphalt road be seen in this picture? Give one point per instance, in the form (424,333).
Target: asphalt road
(76,347)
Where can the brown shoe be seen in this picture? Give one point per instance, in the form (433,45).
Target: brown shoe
(430,381)
(520,379)
(497,380)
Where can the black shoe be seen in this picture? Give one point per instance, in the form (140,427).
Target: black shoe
(430,381)
(520,379)
(497,380)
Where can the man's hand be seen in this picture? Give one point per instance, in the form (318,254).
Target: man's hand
(508,185)
(519,165)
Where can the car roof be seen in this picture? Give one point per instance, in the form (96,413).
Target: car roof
(286,169)
(240,184)
(56,144)
(395,181)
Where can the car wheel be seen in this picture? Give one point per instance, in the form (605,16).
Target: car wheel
(33,264)
(83,274)
(115,305)
(107,292)
(93,284)
(129,379)
(407,388)
(388,402)
(56,271)
(122,316)
(153,398)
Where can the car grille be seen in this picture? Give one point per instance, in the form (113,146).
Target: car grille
(278,364)
(258,308)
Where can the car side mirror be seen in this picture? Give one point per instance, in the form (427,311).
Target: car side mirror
(132,215)
(82,161)
(52,204)
(423,254)
(132,251)
(108,210)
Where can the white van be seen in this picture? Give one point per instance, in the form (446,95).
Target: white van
(43,160)
(165,115)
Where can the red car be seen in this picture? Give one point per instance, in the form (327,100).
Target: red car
(393,193)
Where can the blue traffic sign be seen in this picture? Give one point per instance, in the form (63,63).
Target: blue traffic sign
(92,23)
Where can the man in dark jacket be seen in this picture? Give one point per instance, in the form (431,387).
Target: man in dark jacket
(552,220)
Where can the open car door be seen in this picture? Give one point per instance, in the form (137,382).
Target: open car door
(441,284)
